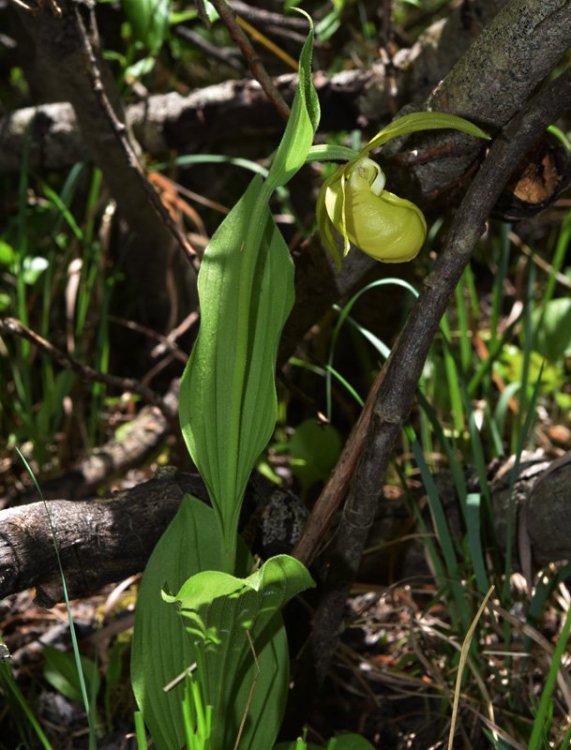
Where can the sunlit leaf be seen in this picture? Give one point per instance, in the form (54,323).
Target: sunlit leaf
(419,121)
(228,402)
(301,125)
(232,622)
(161,649)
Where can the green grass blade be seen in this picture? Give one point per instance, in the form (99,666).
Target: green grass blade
(65,212)
(140,732)
(460,294)
(452,377)
(456,466)
(522,440)
(558,259)
(500,277)
(565,743)
(82,683)
(494,349)
(539,728)
(478,458)
(344,312)
(473,523)
(11,687)
(443,534)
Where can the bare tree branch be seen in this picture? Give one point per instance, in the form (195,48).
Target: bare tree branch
(228,18)
(99,541)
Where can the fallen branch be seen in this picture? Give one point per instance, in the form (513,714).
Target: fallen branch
(162,123)
(139,440)
(99,541)
(105,540)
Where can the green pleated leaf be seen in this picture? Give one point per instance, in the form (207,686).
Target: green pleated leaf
(233,622)
(417,121)
(228,403)
(302,123)
(161,649)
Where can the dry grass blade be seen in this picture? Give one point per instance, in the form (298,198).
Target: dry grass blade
(463,659)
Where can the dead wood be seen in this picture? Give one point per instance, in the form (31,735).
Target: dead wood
(99,541)
(547,518)
(198,120)
(138,441)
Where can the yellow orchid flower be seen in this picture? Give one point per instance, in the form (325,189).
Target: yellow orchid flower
(353,200)
(386,227)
